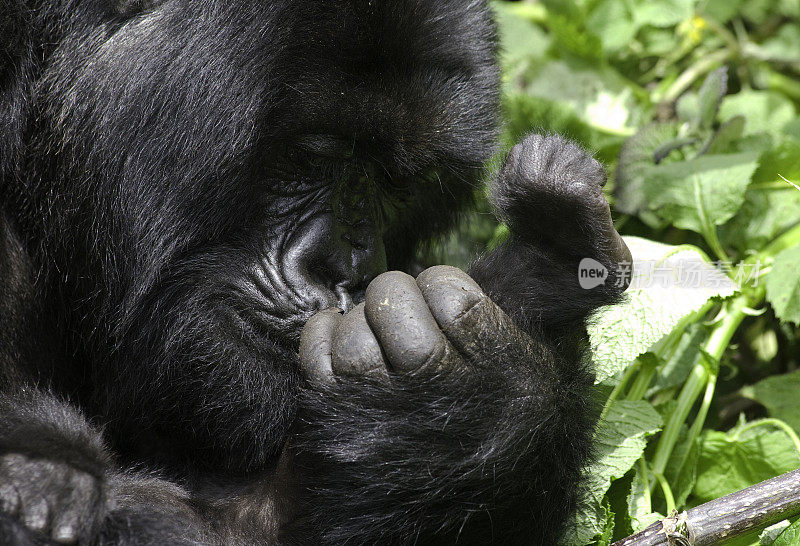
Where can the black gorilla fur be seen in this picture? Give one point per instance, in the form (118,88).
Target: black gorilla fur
(185,184)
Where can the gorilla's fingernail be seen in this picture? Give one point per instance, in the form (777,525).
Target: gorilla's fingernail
(35,515)
(9,499)
(315,345)
(65,534)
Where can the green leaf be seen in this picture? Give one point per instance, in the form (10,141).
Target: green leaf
(771,533)
(681,470)
(636,157)
(527,113)
(613,23)
(783,285)
(784,46)
(771,204)
(701,193)
(597,94)
(722,142)
(663,13)
(780,395)
(675,371)
(570,36)
(520,40)
(790,537)
(620,440)
(710,97)
(665,288)
(721,11)
(766,111)
(728,464)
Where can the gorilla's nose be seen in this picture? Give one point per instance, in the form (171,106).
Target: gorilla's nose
(329,264)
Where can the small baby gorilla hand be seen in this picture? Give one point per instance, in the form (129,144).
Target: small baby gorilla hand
(441,321)
(549,191)
(48,497)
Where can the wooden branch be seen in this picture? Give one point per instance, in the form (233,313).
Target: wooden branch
(730,516)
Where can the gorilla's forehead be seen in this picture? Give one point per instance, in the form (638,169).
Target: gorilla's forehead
(414,81)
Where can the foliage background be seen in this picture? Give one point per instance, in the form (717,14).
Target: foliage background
(692,106)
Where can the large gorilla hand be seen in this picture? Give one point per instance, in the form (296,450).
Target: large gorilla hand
(436,323)
(461,404)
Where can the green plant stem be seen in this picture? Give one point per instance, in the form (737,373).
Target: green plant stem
(642,382)
(699,379)
(620,386)
(645,473)
(668,496)
(706,64)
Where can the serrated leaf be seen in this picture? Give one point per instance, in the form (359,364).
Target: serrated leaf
(668,284)
(780,394)
(620,440)
(783,285)
(728,464)
(636,157)
(701,193)
(790,537)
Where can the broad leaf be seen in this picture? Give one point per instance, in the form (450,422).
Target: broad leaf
(783,285)
(728,464)
(669,283)
(766,111)
(619,442)
(780,394)
(790,537)
(701,193)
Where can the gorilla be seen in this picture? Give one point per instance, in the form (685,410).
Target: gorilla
(214,325)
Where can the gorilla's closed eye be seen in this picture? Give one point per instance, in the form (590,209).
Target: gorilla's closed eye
(332,146)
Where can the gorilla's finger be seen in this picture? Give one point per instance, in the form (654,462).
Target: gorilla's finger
(67,525)
(316,342)
(9,498)
(404,326)
(355,350)
(473,323)
(35,513)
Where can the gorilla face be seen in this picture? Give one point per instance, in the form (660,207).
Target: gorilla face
(302,159)
(204,176)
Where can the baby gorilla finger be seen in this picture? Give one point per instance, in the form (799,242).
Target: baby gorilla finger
(355,351)
(316,345)
(402,322)
(472,322)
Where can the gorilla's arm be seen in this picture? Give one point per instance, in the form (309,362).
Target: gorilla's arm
(494,445)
